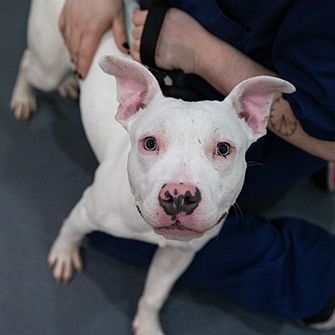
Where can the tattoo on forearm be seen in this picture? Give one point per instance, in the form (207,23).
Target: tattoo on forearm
(282,120)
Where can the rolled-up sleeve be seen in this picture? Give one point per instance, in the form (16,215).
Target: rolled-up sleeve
(304,54)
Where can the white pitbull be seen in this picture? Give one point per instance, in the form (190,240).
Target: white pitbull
(171,180)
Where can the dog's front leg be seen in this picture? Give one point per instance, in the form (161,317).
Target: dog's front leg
(64,255)
(167,266)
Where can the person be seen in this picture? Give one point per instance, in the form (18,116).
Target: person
(284,267)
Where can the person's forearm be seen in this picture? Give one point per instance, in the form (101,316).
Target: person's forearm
(283,123)
(224,67)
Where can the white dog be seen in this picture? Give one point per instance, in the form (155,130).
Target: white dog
(171,180)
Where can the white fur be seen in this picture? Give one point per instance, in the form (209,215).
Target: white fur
(190,132)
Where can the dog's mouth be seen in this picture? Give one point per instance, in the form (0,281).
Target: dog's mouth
(178,231)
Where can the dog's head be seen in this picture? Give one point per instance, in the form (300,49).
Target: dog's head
(187,163)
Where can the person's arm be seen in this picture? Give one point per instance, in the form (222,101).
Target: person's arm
(82,24)
(238,67)
(185,44)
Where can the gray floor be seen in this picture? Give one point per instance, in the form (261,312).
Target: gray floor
(44,167)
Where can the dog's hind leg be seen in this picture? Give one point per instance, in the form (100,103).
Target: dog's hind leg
(46,63)
(23,102)
(69,87)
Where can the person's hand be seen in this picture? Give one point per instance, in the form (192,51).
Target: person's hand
(178,43)
(82,24)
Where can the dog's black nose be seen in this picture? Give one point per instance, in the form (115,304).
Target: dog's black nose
(177,198)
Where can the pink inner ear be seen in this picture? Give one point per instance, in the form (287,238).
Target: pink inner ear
(252,99)
(134,91)
(136,86)
(255,110)
(130,102)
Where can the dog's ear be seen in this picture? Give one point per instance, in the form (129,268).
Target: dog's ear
(253,98)
(136,86)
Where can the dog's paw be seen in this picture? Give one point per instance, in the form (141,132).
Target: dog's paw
(64,262)
(23,105)
(69,88)
(147,325)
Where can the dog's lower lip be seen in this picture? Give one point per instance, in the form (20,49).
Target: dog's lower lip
(177,226)
(180,233)
(221,217)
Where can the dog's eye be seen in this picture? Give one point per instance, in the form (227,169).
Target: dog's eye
(222,149)
(150,144)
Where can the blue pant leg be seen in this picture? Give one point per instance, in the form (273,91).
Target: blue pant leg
(283,268)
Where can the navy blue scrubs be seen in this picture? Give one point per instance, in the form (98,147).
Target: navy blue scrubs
(285,267)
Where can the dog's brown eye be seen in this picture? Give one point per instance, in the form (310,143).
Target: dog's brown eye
(222,149)
(150,144)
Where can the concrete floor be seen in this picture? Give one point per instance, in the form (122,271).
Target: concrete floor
(44,167)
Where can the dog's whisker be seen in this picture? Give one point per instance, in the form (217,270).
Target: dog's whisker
(238,212)
(252,163)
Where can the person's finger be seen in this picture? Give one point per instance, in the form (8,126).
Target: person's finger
(139,17)
(136,45)
(120,34)
(74,44)
(135,50)
(61,22)
(67,35)
(87,48)
(137,32)
(135,55)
